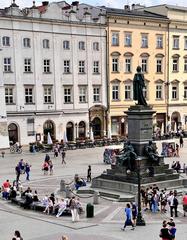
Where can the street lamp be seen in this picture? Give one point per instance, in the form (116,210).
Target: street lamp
(140,220)
(76,130)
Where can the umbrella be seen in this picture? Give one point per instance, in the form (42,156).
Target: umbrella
(91,134)
(49,140)
(65,140)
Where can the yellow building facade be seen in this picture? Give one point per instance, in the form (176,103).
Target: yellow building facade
(136,39)
(177,62)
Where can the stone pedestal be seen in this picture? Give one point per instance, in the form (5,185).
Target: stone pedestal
(140,127)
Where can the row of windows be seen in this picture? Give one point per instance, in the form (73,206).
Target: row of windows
(144,65)
(159,92)
(47,66)
(46,43)
(145,40)
(48,94)
(128,40)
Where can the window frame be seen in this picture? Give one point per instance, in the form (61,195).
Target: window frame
(82,94)
(128,92)
(46,43)
(115,65)
(128,65)
(174,93)
(66,45)
(96,46)
(27,65)
(96,67)
(81,67)
(67,95)
(159,91)
(6,41)
(159,65)
(128,39)
(48,94)
(115,92)
(26,42)
(176,42)
(96,94)
(144,66)
(82,45)
(67,67)
(29,97)
(144,40)
(7,66)
(115,39)
(159,41)
(9,97)
(46,65)
(185,91)
(175,64)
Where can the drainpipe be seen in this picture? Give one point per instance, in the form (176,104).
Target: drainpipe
(167,76)
(107,78)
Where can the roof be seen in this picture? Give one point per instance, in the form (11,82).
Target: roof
(135,13)
(174,7)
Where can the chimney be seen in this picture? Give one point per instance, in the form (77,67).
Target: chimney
(76,3)
(45,3)
(127,8)
(133,7)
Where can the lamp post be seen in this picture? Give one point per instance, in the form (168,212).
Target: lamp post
(140,221)
(76,125)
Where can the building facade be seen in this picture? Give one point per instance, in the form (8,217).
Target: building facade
(177,62)
(136,38)
(54,71)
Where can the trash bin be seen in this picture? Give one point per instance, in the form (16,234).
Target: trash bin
(89,210)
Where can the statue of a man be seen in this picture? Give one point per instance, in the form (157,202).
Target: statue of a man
(151,153)
(127,156)
(138,85)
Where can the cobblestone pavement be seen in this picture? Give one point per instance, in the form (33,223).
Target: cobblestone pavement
(109,215)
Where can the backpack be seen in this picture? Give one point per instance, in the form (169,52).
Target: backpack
(175,201)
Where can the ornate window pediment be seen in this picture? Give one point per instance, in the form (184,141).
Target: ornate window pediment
(115,81)
(144,55)
(176,56)
(128,54)
(175,81)
(159,55)
(115,54)
(159,81)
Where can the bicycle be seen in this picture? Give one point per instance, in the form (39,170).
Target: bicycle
(15,149)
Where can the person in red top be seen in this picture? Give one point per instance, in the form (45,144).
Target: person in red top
(6,188)
(184,203)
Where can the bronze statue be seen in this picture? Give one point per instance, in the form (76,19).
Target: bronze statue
(127,157)
(151,153)
(138,85)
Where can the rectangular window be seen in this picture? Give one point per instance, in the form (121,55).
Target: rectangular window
(145,92)
(96,94)
(45,43)
(144,65)
(29,95)
(127,65)
(27,42)
(144,41)
(6,41)
(185,64)
(96,67)
(185,43)
(81,66)
(159,91)
(7,64)
(48,94)
(9,97)
(96,46)
(128,39)
(67,95)
(66,66)
(159,41)
(115,92)
(81,45)
(175,64)
(27,65)
(159,65)
(175,42)
(82,94)
(115,65)
(115,39)
(30,127)
(174,92)
(185,92)
(46,66)
(128,92)
(66,45)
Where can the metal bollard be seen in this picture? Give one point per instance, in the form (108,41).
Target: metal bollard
(96,198)
(62,186)
(68,192)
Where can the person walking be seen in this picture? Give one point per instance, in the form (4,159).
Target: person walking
(18,172)
(27,171)
(128,220)
(50,167)
(173,204)
(172,230)
(63,154)
(134,212)
(184,203)
(181,141)
(89,174)
(73,208)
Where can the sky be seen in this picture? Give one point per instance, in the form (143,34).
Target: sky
(108,3)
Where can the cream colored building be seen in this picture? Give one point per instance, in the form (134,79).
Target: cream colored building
(177,61)
(136,38)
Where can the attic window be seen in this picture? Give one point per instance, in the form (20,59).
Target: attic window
(159,25)
(127,22)
(144,23)
(115,21)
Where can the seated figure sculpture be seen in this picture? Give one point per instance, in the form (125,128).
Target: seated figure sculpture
(151,153)
(127,157)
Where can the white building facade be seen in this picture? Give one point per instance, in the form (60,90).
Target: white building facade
(54,71)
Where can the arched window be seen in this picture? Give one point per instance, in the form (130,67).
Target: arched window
(82,130)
